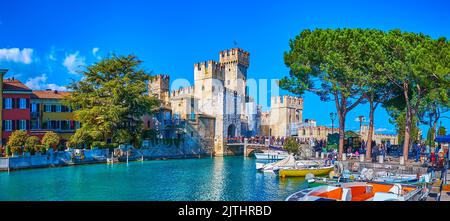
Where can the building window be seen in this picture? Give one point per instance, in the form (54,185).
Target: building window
(22,125)
(34,107)
(228,82)
(8,125)
(8,103)
(23,103)
(58,108)
(35,124)
(47,108)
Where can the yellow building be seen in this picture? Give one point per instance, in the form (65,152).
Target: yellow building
(49,114)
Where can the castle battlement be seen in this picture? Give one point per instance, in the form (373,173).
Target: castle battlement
(207,65)
(182,91)
(208,69)
(234,55)
(160,77)
(287,101)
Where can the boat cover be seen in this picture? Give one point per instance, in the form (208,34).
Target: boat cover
(286,162)
(443,139)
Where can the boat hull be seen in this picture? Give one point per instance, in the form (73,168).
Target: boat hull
(265,156)
(303,172)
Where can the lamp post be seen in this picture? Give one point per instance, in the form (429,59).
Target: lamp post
(332,117)
(361,119)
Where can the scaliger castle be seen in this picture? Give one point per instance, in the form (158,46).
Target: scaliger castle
(215,108)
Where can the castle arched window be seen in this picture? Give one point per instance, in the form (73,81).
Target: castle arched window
(203,87)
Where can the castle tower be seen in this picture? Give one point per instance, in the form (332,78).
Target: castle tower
(235,63)
(285,115)
(208,81)
(159,87)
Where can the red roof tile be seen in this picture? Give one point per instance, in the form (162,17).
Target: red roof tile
(49,94)
(14,85)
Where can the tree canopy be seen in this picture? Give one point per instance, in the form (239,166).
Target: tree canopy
(50,140)
(406,72)
(110,100)
(328,63)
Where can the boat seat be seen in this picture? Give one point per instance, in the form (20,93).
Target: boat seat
(333,194)
(362,197)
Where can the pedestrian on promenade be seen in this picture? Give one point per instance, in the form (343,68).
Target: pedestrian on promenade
(432,158)
(374,154)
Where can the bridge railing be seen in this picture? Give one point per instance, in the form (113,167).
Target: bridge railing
(234,140)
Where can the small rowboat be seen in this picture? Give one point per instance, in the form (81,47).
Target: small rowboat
(301,172)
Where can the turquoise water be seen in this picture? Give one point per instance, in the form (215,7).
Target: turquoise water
(228,178)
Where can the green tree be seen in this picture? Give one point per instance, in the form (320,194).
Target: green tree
(17,140)
(328,63)
(32,144)
(291,145)
(110,100)
(442,131)
(418,66)
(50,140)
(398,119)
(375,87)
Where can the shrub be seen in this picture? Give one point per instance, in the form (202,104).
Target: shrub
(291,145)
(50,140)
(17,139)
(31,144)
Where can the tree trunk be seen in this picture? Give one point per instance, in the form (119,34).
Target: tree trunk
(433,132)
(341,133)
(406,142)
(369,136)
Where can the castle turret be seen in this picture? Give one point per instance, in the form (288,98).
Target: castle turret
(158,86)
(285,115)
(235,63)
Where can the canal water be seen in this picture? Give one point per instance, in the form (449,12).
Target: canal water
(228,178)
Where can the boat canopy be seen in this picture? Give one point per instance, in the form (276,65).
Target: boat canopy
(443,139)
(286,162)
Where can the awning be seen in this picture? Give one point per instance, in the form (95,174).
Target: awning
(443,139)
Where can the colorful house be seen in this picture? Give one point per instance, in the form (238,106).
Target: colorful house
(15,107)
(48,113)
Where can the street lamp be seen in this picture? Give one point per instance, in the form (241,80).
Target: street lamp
(361,119)
(332,117)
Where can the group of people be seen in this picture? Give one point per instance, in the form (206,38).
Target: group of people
(434,156)
(278,141)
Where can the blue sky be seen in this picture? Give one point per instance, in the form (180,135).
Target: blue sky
(43,43)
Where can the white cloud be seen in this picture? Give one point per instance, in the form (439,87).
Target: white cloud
(73,62)
(382,130)
(94,52)
(16,55)
(40,83)
(52,55)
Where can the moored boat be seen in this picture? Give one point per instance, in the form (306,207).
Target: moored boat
(301,172)
(288,162)
(359,191)
(271,155)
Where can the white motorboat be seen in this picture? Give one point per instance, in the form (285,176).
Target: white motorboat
(359,191)
(272,155)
